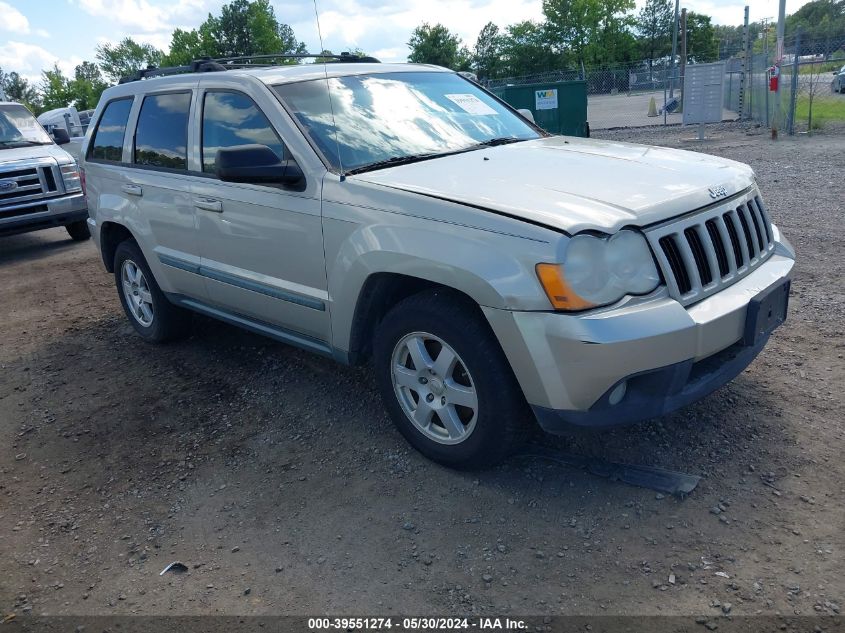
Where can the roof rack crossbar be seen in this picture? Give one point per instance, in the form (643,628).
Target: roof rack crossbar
(209,64)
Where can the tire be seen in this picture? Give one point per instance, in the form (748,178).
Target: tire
(154,318)
(78,231)
(455,435)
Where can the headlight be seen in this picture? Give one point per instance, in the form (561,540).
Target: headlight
(597,271)
(70,175)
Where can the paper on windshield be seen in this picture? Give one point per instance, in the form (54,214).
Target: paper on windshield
(470,104)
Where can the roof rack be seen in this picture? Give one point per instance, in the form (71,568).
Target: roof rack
(209,64)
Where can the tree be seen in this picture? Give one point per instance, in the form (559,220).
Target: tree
(243,28)
(526,51)
(18,89)
(55,89)
(702,44)
(437,45)
(590,32)
(822,22)
(126,58)
(487,53)
(654,25)
(86,86)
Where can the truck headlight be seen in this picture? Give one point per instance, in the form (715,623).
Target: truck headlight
(598,271)
(70,176)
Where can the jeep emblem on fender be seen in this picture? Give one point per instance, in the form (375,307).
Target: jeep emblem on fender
(8,185)
(718,192)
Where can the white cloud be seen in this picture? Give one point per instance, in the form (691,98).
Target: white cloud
(13,20)
(29,60)
(385,28)
(148,17)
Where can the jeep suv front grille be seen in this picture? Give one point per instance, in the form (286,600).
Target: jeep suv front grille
(704,252)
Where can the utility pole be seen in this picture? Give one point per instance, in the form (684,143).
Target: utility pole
(746,66)
(674,52)
(778,61)
(766,52)
(683,51)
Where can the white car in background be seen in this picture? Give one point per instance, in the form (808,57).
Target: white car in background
(838,83)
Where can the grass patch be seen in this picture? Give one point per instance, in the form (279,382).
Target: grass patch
(826,108)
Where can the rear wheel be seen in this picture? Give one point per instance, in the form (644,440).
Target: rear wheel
(446,382)
(150,313)
(78,231)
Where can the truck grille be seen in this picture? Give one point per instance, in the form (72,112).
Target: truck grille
(34,180)
(705,252)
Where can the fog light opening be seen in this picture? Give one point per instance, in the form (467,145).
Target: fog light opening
(618,393)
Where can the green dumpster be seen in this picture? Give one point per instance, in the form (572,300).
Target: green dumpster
(558,107)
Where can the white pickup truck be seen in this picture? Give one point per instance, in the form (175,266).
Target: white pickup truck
(40,183)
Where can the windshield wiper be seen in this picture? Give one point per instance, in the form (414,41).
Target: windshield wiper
(393,161)
(413,158)
(501,140)
(21,143)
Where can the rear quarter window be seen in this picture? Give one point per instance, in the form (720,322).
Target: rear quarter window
(107,143)
(161,136)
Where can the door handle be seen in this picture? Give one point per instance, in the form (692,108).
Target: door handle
(132,190)
(209,204)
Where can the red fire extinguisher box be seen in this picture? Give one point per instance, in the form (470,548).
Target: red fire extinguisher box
(774,74)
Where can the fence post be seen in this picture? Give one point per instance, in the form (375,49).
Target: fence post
(793,98)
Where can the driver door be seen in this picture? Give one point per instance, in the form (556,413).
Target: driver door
(261,245)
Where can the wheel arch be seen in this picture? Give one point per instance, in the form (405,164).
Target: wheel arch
(380,292)
(111,235)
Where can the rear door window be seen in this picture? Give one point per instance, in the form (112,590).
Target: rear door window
(107,143)
(161,136)
(230,119)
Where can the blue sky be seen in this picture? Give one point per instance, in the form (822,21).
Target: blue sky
(34,34)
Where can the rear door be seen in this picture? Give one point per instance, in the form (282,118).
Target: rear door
(261,245)
(159,186)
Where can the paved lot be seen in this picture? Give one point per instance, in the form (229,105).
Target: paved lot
(624,110)
(276,478)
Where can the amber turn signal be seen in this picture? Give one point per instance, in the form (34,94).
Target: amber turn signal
(558,290)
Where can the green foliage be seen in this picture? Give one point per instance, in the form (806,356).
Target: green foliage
(55,89)
(86,86)
(126,58)
(18,89)
(654,26)
(590,32)
(242,28)
(439,46)
(487,53)
(526,51)
(819,20)
(702,45)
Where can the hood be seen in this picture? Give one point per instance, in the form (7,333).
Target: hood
(34,151)
(573,184)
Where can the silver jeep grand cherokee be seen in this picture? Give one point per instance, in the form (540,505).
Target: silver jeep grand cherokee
(402,214)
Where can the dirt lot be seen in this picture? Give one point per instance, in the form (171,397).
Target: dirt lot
(275,476)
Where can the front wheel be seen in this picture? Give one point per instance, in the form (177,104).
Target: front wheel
(446,382)
(78,231)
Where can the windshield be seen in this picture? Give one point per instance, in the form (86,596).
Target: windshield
(394,116)
(18,128)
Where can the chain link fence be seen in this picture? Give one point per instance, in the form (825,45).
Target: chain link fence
(811,80)
(629,95)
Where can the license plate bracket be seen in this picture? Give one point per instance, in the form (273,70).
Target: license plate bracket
(765,312)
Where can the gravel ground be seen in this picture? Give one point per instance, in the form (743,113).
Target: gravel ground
(276,478)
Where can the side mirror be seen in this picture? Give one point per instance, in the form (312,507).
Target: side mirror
(257,164)
(527,114)
(60,136)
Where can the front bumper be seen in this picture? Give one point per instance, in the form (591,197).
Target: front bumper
(43,214)
(569,365)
